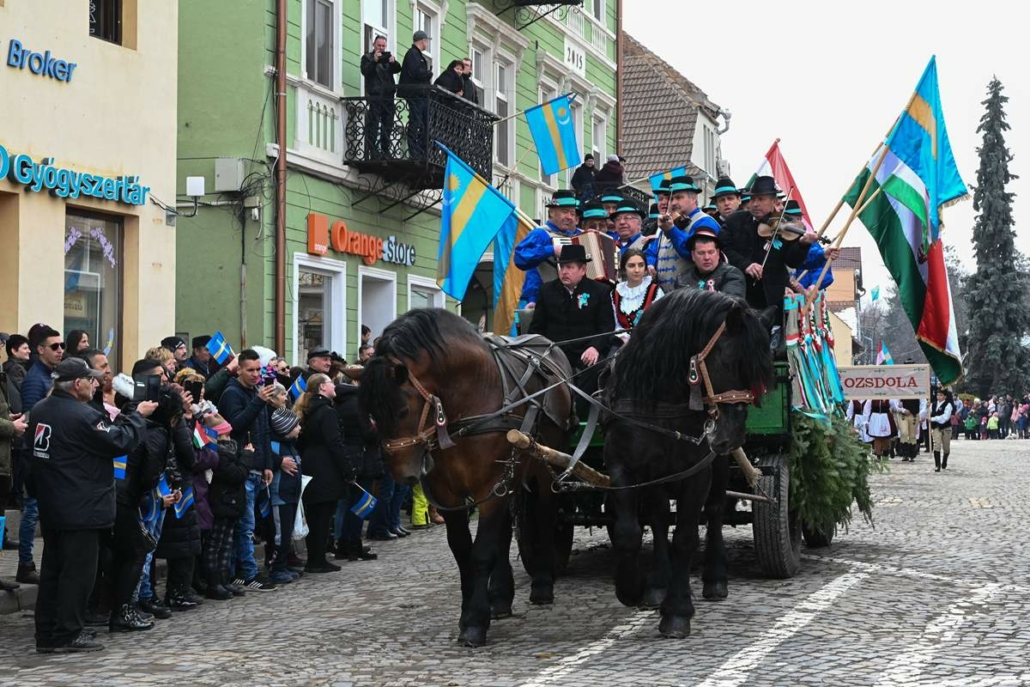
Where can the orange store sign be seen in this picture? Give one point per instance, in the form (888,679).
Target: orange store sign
(322,237)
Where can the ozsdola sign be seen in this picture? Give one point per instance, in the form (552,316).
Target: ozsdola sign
(899,382)
(67,183)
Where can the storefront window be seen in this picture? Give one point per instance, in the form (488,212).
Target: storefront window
(314,311)
(93,281)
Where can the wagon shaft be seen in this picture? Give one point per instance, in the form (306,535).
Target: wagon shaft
(557,458)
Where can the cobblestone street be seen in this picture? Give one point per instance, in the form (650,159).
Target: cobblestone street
(937,594)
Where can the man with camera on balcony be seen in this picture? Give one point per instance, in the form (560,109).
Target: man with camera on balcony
(414,87)
(378,67)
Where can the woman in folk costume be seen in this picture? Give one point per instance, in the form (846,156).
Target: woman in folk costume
(880,424)
(635,294)
(856,416)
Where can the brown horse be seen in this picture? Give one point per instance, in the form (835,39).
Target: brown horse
(431,382)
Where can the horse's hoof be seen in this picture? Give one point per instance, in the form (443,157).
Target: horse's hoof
(541,596)
(472,636)
(631,594)
(715,591)
(674,627)
(653,597)
(500,611)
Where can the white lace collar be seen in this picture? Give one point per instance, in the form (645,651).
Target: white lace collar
(631,298)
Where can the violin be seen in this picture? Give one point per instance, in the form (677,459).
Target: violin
(776,224)
(678,218)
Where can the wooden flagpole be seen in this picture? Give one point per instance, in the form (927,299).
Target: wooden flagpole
(570,95)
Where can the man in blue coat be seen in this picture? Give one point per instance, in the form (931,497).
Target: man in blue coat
(538,248)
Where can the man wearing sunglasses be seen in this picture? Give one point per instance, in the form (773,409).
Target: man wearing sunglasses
(49,348)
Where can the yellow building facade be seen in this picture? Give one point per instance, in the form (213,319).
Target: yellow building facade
(87,145)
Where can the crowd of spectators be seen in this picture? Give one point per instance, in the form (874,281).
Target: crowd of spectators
(209,467)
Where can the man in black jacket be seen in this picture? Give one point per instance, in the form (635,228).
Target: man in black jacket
(766,276)
(414,87)
(246,404)
(468,91)
(378,68)
(583,179)
(707,271)
(574,307)
(451,79)
(72,476)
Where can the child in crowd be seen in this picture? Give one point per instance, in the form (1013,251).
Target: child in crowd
(228,499)
(285,491)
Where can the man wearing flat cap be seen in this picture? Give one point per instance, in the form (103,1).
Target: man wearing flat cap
(320,361)
(72,448)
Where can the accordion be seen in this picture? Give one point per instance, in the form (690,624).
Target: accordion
(602,250)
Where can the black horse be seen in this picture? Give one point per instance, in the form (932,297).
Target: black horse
(694,363)
(431,376)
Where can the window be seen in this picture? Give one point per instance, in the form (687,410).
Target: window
(92,281)
(599,11)
(426,19)
(424,293)
(319,42)
(478,68)
(377,15)
(504,135)
(709,150)
(314,311)
(599,138)
(105,20)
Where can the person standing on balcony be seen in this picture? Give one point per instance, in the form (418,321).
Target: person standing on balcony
(414,87)
(452,79)
(378,68)
(469,91)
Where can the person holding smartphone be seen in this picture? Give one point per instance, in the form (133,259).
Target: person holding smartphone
(378,67)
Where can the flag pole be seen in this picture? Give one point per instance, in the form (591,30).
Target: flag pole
(570,95)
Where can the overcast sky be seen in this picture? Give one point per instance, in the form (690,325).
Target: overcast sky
(833,87)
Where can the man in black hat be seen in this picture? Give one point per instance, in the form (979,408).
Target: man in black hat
(726,198)
(672,254)
(576,309)
(764,261)
(72,447)
(707,271)
(583,178)
(539,247)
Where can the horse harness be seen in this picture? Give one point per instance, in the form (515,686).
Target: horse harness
(698,374)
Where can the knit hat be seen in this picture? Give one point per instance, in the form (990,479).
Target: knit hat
(173,342)
(283,421)
(201,341)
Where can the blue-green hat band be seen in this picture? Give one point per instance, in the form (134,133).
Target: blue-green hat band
(612,199)
(722,190)
(627,210)
(595,213)
(565,202)
(792,212)
(684,187)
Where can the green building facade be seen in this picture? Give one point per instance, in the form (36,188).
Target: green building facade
(381,218)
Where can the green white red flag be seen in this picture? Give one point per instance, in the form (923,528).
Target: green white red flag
(774,165)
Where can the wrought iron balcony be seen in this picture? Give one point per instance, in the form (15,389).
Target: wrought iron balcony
(396,137)
(528,12)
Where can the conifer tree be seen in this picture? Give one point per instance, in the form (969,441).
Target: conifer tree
(996,359)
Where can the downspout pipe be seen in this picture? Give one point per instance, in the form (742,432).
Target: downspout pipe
(618,77)
(280,178)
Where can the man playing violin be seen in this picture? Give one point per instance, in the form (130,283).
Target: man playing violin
(755,244)
(683,220)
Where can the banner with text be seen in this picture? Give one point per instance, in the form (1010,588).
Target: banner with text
(900,382)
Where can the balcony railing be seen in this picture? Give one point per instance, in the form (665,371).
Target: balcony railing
(396,137)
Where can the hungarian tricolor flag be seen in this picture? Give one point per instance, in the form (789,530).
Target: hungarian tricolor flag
(202,436)
(773,165)
(916,179)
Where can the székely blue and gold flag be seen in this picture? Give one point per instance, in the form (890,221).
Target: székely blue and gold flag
(298,387)
(656,179)
(184,503)
(219,348)
(554,132)
(119,466)
(365,504)
(508,279)
(473,212)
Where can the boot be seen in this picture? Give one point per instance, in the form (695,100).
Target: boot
(944,462)
(177,601)
(216,591)
(937,461)
(8,586)
(125,619)
(154,606)
(27,574)
(357,552)
(341,551)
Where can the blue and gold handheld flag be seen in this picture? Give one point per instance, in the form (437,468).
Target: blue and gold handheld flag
(473,212)
(162,487)
(508,279)
(554,132)
(219,348)
(298,387)
(365,504)
(119,466)
(656,179)
(264,504)
(184,503)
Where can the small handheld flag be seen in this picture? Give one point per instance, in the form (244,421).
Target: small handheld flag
(265,504)
(219,348)
(203,436)
(554,132)
(875,293)
(298,387)
(184,503)
(119,467)
(365,504)
(162,487)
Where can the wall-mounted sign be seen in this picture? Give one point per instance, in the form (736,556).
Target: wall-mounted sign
(885,381)
(322,237)
(67,183)
(575,57)
(39,63)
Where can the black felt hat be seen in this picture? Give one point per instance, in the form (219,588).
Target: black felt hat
(563,198)
(725,187)
(763,186)
(573,253)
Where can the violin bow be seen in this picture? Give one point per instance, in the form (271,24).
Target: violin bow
(776,231)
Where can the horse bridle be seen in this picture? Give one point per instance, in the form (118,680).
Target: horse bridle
(430,436)
(698,375)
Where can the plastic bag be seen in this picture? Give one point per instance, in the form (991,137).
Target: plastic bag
(300,525)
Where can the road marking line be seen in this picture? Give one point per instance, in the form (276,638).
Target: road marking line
(881,569)
(569,663)
(909,664)
(737,669)
(1004,680)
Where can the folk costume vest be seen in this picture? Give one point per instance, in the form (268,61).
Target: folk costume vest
(631,302)
(670,266)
